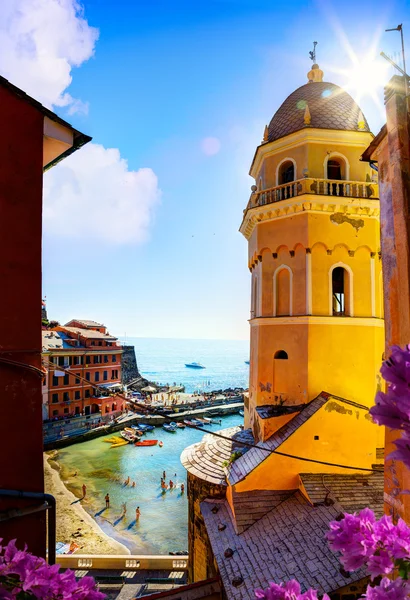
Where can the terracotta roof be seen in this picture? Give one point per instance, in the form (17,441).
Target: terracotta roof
(86,322)
(287,543)
(206,459)
(329,105)
(90,333)
(255,456)
(353,492)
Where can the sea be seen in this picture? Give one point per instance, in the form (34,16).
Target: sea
(163,361)
(163,525)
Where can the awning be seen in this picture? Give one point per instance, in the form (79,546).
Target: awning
(110,386)
(149,388)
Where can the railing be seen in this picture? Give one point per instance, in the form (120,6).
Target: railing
(321,187)
(123,562)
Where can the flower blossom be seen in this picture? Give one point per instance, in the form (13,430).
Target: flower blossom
(388,590)
(290,590)
(21,572)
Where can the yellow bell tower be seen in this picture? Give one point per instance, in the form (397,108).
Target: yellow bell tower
(312,224)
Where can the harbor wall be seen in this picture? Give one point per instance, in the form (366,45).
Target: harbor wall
(129,368)
(158,420)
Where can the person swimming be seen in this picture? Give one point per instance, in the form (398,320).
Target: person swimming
(127,481)
(133,484)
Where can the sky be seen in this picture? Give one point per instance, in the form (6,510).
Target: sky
(141,225)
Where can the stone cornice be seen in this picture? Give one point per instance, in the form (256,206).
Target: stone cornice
(317,320)
(310,203)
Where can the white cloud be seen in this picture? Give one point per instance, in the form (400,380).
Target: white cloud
(40,42)
(90,195)
(93,196)
(210,146)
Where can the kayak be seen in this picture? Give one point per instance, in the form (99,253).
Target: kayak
(147,443)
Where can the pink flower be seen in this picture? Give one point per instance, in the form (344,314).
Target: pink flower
(289,590)
(389,590)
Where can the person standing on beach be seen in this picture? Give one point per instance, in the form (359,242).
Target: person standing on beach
(107,500)
(84,490)
(137,513)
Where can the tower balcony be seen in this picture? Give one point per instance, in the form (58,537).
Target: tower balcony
(314,186)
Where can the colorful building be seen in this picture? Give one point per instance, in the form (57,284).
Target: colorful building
(33,139)
(259,513)
(83,363)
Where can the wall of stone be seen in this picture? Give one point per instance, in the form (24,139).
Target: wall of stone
(201,560)
(129,364)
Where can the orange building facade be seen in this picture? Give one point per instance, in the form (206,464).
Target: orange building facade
(83,363)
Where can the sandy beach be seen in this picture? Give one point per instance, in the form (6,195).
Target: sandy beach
(74,524)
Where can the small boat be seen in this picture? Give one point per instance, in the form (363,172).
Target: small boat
(181,425)
(129,430)
(143,427)
(147,443)
(188,422)
(170,428)
(247,362)
(161,444)
(241,413)
(204,420)
(118,444)
(194,365)
(197,423)
(126,435)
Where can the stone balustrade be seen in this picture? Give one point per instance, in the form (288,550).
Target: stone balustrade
(314,186)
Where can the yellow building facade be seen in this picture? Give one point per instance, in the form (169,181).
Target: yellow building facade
(260,499)
(312,224)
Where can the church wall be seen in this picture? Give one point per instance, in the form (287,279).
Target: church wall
(345,359)
(346,437)
(268,339)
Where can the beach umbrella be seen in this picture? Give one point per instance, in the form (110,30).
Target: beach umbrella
(149,388)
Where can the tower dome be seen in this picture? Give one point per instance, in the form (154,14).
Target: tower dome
(328,106)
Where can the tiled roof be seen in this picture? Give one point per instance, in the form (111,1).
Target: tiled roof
(253,505)
(353,492)
(52,340)
(329,105)
(90,333)
(239,469)
(87,322)
(206,459)
(287,543)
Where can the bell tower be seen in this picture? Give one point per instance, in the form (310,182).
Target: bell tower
(312,225)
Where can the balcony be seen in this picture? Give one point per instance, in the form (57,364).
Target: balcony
(314,186)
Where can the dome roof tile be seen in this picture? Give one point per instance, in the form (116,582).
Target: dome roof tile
(330,107)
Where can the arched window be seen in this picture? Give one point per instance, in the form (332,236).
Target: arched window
(334,170)
(286,172)
(341,292)
(280,373)
(282,291)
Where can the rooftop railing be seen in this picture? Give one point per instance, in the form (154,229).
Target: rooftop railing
(315,186)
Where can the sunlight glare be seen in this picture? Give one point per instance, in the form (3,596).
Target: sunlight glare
(366,76)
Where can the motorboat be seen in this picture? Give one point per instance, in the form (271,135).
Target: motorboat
(170,428)
(147,443)
(197,423)
(247,362)
(194,365)
(188,422)
(241,413)
(181,425)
